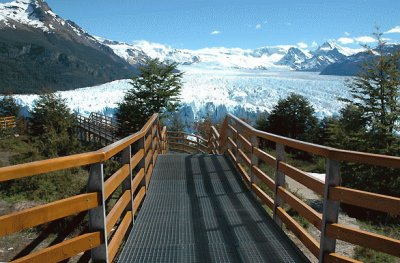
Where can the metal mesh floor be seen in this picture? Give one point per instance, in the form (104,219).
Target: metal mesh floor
(198,210)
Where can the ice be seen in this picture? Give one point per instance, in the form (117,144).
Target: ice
(213,93)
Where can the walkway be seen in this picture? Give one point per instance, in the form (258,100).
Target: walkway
(198,210)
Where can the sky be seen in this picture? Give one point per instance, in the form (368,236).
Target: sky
(195,24)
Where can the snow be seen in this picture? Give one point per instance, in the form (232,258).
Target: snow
(215,57)
(21,12)
(213,93)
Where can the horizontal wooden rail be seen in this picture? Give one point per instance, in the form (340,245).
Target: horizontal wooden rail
(244,157)
(31,217)
(383,203)
(267,158)
(263,196)
(64,250)
(116,240)
(137,158)
(336,258)
(363,238)
(299,231)
(244,142)
(264,178)
(50,165)
(138,199)
(115,180)
(302,208)
(117,210)
(137,179)
(302,177)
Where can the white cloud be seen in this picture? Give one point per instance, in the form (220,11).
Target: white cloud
(395,29)
(345,40)
(346,33)
(215,32)
(258,26)
(302,45)
(314,44)
(365,39)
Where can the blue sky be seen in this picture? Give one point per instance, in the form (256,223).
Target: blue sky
(235,23)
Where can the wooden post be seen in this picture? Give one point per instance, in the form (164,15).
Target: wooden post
(254,158)
(97,216)
(330,211)
(127,183)
(279,181)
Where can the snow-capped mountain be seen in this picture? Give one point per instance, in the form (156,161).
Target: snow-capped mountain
(217,57)
(326,54)
(294,57)
(272,57)
(351,65)
(50,52)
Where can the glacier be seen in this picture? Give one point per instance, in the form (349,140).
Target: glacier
(213,93)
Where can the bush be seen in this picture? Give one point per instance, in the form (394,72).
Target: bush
(292,117)
(52,126)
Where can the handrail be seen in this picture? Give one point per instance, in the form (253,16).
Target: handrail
(138,155)
(187,142)
(324,151)
(7,122)
(240,142)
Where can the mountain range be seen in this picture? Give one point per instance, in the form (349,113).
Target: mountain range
(270,57)
(39,50)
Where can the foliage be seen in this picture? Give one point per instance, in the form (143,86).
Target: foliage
(370,122)
(52,126)
(375,91)
(292,117)
(48,187)
(8,106)
(154,90)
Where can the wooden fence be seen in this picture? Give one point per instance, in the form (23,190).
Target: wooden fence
(138,154)
(97,128)
(241,142)
(7,122)
(184,142)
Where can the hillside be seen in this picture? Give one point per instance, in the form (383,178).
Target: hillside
(39,50)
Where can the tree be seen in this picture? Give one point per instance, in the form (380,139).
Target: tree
(292,117)
(9,107)
(376,92)
(155,90)
(370,121)
(53,126)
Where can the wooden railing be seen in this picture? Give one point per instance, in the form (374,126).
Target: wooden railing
(137,156)
(241,142)
(185,142)
(97,128)
(7,122)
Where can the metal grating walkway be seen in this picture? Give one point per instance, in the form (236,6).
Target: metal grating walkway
(198,210)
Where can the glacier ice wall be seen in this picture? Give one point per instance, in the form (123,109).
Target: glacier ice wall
(213,93)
